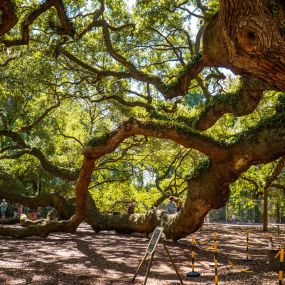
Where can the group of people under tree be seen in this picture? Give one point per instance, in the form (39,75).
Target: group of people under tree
(174,205)
(14,210)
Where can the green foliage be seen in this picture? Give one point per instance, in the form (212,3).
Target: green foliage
(201,168)
(156,38)
(246,200)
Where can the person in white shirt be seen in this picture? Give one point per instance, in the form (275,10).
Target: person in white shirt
(171,206)
(3,208)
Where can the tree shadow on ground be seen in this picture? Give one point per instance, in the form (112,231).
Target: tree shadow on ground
(108,258)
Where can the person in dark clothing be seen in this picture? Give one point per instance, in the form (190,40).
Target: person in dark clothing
(131,208)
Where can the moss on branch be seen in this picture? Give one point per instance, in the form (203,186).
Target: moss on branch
(201,168)
(241,103)
(172,130)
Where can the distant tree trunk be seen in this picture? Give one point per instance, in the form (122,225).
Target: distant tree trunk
(257,213)
(282,219)
(268,183)
(265,210)
(277,213)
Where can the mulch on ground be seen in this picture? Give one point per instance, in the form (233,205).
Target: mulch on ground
(108,258)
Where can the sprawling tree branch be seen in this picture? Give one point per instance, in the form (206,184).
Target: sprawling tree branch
(240,104)
(178,88)
(175,132)
(23,148)
(27,128)
(10,20)
(276,172)
(42,230)
(209,188)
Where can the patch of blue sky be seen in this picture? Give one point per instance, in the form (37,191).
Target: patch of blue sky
(130,4)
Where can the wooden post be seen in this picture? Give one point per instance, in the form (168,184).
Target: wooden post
(265,210)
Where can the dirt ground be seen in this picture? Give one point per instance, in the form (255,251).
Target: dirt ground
(109,258)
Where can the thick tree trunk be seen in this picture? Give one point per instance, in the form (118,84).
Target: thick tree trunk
(208,190)
(249,38)
(81,190)
(8,16)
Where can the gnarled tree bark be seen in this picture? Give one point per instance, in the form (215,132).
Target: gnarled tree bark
(248,37)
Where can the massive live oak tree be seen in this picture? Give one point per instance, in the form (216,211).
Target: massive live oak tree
(159,70)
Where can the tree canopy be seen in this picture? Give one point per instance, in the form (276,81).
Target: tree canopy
(161,97)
